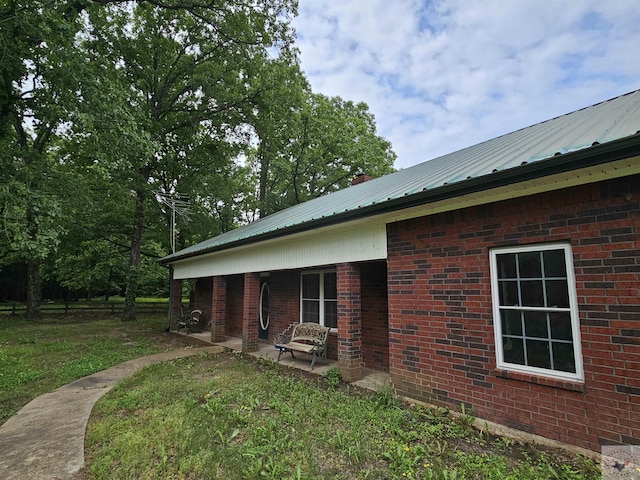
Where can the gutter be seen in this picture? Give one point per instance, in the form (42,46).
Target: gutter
(597,154)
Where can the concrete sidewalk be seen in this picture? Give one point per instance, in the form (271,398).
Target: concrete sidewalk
(45,440)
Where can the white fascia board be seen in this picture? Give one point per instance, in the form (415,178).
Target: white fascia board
(348,242)
(621,168)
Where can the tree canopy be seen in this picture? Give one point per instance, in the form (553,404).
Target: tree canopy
(107,107)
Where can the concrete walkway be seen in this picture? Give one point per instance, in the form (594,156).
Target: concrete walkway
(45,440)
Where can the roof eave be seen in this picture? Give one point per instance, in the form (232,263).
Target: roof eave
(597,154)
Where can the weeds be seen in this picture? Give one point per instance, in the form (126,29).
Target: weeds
(231,416)
(254,420)
(333,377)
(405,460)
(466,419)
(386,397)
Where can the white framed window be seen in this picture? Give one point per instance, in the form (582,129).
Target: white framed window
(535,310)
(319,298)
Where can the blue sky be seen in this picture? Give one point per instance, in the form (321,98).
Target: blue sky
(442,75)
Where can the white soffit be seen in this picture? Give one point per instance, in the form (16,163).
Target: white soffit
(349,242)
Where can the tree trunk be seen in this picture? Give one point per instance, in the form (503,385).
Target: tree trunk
(264,176)
(134,260)
(34,286)
(34,291)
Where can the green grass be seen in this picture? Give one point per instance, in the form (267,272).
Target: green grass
(234,416)
(38,357)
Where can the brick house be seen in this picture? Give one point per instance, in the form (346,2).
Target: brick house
(504,276)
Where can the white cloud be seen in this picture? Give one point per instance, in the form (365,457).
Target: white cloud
(443,75)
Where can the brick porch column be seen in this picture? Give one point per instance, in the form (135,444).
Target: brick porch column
(218,309)
(350,357)
(202,298)
(176,300)
(250,312)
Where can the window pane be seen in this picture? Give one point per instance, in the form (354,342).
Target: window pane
(554,264)
(538,354)
(311,286)
(535,324)
(557,293)
(311,311)
(508,293)
(331,314)
(511,322)
(560,325)
(529,265)
(530,286)
(513,349)
(330,286)
(506,265)
(563,358)
(532,293)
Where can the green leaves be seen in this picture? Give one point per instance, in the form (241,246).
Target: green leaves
(103,104)
(312,145)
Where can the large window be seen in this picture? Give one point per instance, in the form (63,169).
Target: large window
(535,311)
(319,298)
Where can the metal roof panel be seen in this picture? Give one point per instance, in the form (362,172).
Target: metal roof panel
(601,123)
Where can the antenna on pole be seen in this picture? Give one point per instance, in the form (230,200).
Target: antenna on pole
(179,204)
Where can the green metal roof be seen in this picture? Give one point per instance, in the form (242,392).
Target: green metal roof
(545,142)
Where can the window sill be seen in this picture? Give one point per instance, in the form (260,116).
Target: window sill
(571,385)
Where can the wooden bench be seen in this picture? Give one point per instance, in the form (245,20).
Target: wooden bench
(309,338)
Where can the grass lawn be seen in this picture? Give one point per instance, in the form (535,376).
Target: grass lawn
(38,357)
(232,416)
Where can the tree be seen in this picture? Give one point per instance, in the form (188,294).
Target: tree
(39,76)
(93,252)
(321,146)
(337,140)
(281,90)
(182,76)
(104,104)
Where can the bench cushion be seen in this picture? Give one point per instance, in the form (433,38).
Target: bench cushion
(298,346)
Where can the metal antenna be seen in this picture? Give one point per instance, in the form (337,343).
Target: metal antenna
(179,204)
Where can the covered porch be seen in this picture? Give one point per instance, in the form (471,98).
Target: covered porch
(247,311)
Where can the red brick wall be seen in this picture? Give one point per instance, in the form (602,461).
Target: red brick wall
(440,312)
(375,318)
(350,356)
(285,306)
(203,298)
(250,312)
(219,313)
(235,298)
(284,301)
